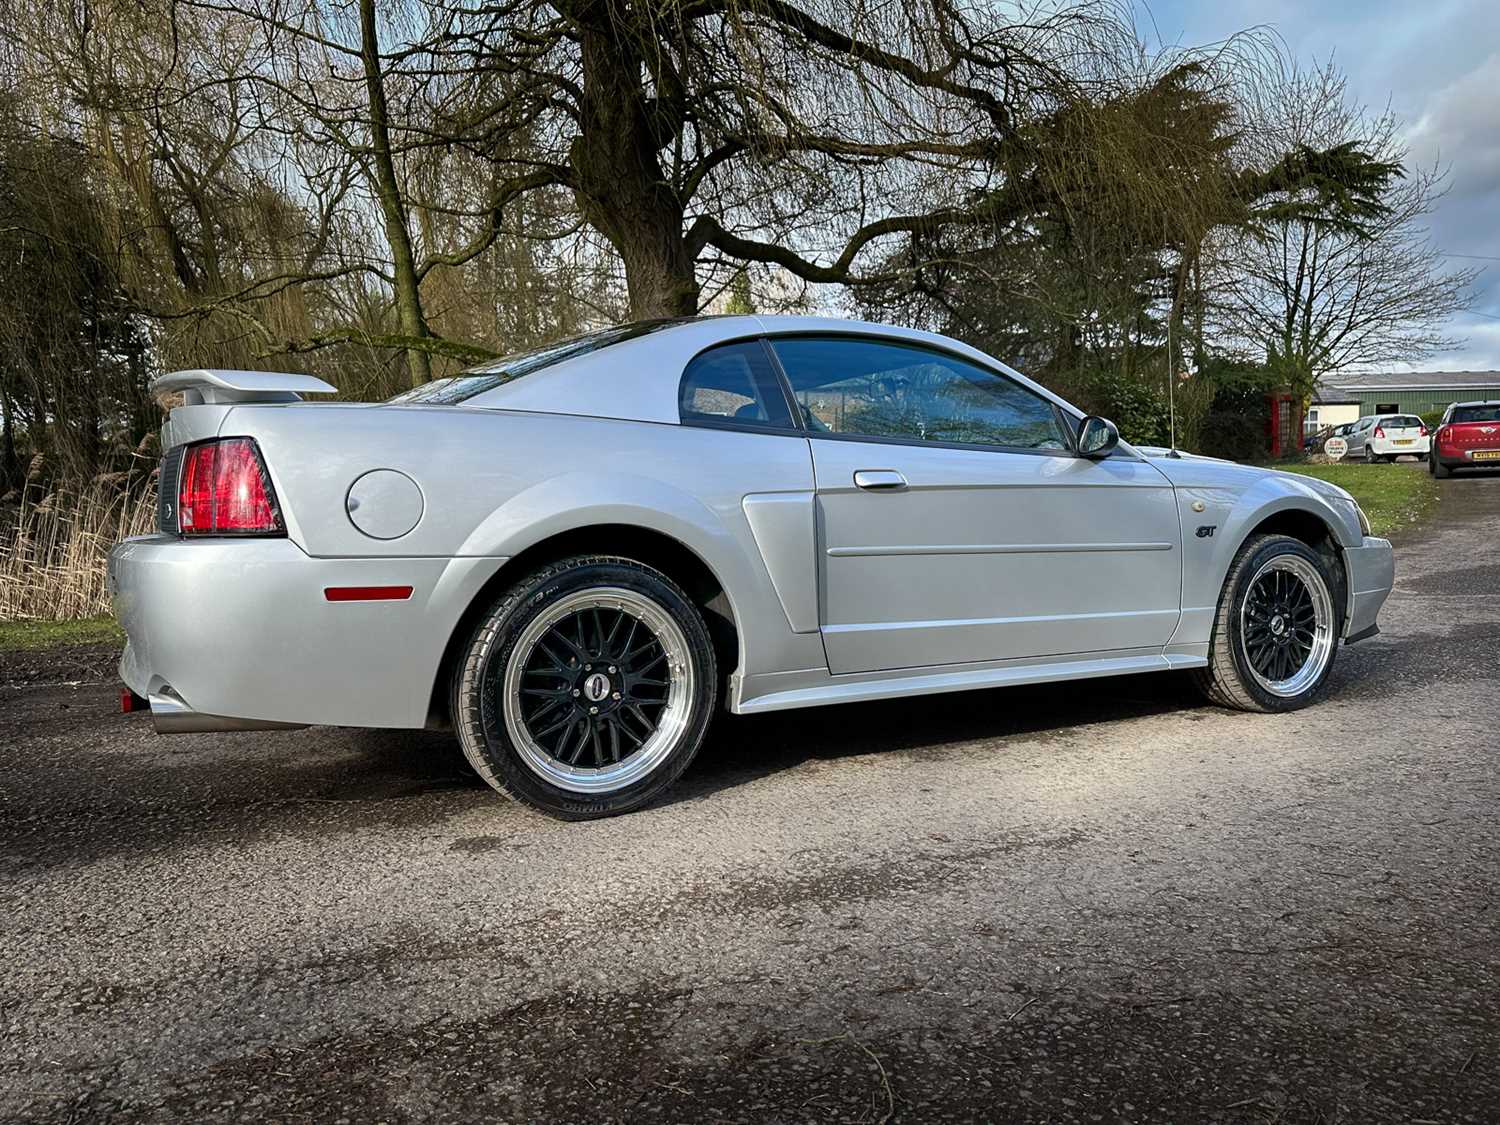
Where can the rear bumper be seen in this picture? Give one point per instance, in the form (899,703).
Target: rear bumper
(241,630)
(1388,448)
(1371,571)
(1463,458)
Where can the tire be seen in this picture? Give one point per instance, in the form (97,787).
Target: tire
(1231,678)
(1440,470)
(613,649)
(1370,455)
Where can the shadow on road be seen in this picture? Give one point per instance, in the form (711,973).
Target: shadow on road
(80,783)
(741,748)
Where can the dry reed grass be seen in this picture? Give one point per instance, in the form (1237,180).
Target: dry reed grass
(54,551)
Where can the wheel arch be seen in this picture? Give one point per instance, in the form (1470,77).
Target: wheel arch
(1309,527)
(651,546)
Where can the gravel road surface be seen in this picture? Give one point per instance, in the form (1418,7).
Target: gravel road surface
(1093,902)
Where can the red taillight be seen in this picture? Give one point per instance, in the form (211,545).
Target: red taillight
(1379,431)
(1422,431)
(224,490)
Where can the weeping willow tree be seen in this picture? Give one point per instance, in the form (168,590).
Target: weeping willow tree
(72,355)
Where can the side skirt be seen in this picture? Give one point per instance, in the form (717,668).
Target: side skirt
(780,691)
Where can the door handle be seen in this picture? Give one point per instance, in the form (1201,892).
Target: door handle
(879,480)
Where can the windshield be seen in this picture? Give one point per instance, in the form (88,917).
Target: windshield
(1489,412)
(498,372)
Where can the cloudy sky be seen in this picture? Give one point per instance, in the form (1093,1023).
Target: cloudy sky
(1437,65)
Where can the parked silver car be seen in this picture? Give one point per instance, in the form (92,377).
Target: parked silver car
(575,555)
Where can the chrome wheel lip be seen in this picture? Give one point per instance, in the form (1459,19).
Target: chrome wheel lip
(1320,653)
(675,714)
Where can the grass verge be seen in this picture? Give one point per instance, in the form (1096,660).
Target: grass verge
(16,636)
(1393,496)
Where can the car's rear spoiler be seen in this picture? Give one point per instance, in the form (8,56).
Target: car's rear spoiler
(206,386)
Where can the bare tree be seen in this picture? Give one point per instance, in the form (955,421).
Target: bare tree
(1314,294)
(693,137)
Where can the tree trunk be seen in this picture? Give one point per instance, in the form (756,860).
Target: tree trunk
(10,464)
(392,206)
(620,185)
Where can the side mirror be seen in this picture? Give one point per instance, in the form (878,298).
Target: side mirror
(1097,437)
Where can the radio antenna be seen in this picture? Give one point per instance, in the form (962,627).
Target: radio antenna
(1171,384)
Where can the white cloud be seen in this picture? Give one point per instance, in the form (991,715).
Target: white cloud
(1460,126)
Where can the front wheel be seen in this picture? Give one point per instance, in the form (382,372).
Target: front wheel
(587,689)
(1276,628)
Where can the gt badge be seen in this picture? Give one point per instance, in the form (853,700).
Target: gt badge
(1206,531)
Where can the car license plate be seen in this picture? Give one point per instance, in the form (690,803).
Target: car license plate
(1485,455)
(1403,441)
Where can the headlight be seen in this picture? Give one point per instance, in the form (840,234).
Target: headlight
(1364,520)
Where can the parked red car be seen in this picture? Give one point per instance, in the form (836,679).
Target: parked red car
(1468,436)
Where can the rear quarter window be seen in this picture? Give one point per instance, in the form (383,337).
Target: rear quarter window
(733,385)
(496,373)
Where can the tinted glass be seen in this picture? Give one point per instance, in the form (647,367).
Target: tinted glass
(734,384)
(487,376)
(1476,413)
(877,389)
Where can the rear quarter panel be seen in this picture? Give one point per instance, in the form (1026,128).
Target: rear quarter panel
(497,482)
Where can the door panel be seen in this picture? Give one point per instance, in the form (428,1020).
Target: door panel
(989,555)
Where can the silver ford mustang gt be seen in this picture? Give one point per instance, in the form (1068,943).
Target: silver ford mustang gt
(572,555)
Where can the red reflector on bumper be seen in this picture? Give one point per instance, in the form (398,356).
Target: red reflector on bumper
(367,593)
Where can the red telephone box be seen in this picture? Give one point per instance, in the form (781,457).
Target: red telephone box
(1284,424)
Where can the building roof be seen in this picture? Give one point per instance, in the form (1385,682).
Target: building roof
(1351,382)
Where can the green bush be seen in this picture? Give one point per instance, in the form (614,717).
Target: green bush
(1235,431)
(1140,411)
(1236,422)
(1431,418)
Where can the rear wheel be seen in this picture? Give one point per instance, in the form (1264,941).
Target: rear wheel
(587,689)
(1440,470)
(1275,630)
(1371,457)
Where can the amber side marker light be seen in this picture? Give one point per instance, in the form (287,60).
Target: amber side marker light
(367,593)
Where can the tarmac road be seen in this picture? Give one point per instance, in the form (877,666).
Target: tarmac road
(1094,902)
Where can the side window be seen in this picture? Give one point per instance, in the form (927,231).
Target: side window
(733,384)
(872,388)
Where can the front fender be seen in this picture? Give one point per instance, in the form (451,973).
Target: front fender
(1232,510)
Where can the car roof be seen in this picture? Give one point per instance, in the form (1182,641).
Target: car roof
(637,378)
